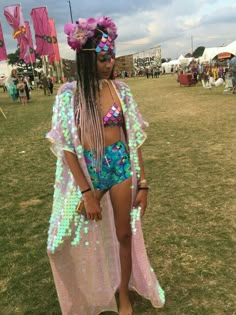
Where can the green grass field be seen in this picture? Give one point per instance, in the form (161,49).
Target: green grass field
(189,227)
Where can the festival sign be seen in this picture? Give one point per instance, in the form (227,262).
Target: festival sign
(224,55)
(150,58)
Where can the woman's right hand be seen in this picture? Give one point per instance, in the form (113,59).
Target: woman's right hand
(92,206)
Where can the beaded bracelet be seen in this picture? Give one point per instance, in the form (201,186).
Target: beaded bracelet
(84,191)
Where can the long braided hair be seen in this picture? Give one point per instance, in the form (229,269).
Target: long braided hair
(87,101)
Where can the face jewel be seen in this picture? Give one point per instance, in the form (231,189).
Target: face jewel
(106,45)
(104,39)
(98,49)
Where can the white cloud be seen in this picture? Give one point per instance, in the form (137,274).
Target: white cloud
(173,24)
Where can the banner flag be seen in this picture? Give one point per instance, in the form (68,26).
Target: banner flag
(56,53)
(15,19)
(31,56)
(3,52)
(42,31)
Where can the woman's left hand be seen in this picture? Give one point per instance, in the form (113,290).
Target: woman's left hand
(141,200)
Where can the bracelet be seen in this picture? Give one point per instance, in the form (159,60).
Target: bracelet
(143,181)
(84,191)
(143,188)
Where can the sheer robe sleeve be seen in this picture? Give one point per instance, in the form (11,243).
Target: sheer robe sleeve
(63,122)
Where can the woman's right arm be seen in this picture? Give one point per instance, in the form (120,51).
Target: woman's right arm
(91,203)
(76,170)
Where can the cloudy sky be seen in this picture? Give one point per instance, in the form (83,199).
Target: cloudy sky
(176,25)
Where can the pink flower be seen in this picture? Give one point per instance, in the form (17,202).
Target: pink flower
(109,25)
(89,23)
(79,33)
(68,28)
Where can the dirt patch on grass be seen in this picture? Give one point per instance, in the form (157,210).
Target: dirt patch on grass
(28,203)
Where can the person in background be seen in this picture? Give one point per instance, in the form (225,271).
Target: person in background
(44,81)
(232,68)
(50,84)
(27,88)
(11,85)
(97,132)
(22,92)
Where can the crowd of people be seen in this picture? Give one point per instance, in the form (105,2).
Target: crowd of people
(19,87)
(149,72)
(209,74)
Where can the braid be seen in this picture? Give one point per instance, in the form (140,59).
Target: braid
(87,103)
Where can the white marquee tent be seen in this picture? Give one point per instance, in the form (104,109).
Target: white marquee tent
(181,61)
(210,53)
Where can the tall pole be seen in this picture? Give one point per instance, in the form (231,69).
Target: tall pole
(192,44)
(71,17)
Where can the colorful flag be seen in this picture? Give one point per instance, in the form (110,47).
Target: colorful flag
(42,31)
(56,54)
(3,52)
(15,19)
(31,56)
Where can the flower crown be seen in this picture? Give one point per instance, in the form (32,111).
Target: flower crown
(79,33)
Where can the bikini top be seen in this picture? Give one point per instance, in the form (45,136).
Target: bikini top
(114,117)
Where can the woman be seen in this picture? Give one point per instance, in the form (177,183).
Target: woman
(97,132)
(22,92)
(50,85)
(11,85)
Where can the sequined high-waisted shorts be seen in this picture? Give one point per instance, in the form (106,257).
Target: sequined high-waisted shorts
(115,166)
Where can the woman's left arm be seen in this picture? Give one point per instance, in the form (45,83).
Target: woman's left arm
(141,197)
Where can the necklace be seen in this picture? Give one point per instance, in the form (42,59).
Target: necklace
(101,83)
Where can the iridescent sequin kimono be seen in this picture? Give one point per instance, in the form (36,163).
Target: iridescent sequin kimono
(84,255)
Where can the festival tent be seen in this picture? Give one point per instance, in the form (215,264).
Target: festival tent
(168,65)
(184,61)
(232,48)
(181,61)
(5,68)
(210,53)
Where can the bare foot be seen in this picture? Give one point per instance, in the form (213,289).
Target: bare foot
(125,305)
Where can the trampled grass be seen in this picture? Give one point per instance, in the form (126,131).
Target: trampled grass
(189,227)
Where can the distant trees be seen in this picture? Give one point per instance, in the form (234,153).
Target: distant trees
(188,55)
(165,60)
(198,52)
(13,60)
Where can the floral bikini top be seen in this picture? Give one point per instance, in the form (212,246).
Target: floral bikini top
(114,117)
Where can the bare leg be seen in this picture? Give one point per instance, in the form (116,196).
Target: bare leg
(121,202)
